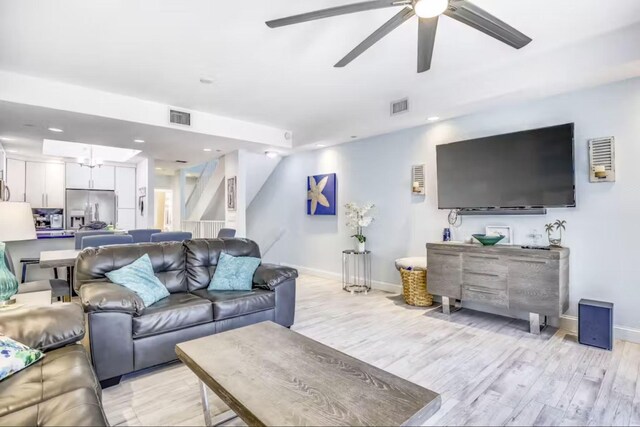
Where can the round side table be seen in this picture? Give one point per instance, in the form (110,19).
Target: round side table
(356,271)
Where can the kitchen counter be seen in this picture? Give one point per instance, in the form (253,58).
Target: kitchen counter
(55,234)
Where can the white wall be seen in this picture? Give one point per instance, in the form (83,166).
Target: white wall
(145,177)
(603,231)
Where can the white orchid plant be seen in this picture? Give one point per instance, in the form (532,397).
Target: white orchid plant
(358,219)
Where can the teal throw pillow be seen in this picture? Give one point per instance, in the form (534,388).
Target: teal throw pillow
(234,273)
(139,277)
(15,356)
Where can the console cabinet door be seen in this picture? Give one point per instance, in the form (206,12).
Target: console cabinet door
(534,285)
(444,273)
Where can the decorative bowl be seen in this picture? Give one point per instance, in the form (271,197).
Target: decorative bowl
(488,240)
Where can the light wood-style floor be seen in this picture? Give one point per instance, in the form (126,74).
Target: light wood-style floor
(489,370)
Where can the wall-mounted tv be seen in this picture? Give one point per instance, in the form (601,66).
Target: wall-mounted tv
(530,169)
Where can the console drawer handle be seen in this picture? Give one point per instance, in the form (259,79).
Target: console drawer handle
(482,274)
(445,254)
(483,291)
(483,257)
(529,261)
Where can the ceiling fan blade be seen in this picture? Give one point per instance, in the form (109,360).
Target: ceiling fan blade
(478,18)
(385,29)
(335,11)
(426,41)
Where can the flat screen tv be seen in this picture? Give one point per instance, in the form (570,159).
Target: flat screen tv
(530,169)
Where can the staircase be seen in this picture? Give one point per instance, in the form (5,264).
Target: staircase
(204,191)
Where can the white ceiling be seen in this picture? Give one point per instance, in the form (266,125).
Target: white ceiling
(27,126)
(159,49)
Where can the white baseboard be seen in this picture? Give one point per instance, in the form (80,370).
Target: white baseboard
(395,288)
(568,323)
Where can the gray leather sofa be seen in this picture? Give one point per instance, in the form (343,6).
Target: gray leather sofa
(126,336)
(61,388)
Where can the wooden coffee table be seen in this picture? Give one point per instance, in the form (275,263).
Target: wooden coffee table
(270,375)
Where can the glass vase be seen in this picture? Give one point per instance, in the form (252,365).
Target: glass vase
(8,282)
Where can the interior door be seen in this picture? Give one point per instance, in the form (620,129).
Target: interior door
(126,187)
(103,178)
(54,185)
(16,175)
(35,184)
(77,176)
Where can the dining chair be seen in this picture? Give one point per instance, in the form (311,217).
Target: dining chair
(143,235)
(104,240)
(59,288)
(171,236)
(226,233)
(81,234)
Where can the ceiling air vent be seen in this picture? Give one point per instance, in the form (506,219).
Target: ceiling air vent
(181,161)
(179,118)
(602,160)
(399,107)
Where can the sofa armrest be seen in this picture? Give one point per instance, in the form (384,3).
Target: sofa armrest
(107,296)
(44,327)
(269,276)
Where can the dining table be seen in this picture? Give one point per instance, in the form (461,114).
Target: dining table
(65,258)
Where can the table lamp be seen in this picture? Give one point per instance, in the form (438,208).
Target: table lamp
(16,223)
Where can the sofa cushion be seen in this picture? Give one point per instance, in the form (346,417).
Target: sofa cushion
(140,278)
(234,273)
(80,407)
(228,304)
(177,311)
(59,372)
(167,258)
(202,257)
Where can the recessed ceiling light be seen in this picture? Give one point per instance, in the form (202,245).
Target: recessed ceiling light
(56,130)
(12,151)
(139,141)
(320,145)
(433,119)
(158,169)
(271,154)
(206,149)
(6,138)
(206,80)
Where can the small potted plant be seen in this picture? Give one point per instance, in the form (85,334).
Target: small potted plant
(358,220)
(559,226)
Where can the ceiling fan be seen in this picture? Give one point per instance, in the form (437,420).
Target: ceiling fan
(428,12)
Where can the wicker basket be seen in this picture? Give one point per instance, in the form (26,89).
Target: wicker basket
(414,288)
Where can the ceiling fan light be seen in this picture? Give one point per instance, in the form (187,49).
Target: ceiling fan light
(430,8)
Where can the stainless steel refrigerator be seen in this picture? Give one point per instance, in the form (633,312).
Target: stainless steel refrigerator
(86,206)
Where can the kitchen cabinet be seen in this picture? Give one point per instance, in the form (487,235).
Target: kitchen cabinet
(77,176)
(16,175)
(85,178)
(44,185)
(103,178)
(125,187)
(54,185)
(126,219)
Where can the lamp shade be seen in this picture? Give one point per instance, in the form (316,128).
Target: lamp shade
(16,222)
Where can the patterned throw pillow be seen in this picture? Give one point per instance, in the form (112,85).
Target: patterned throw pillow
(139,277)
(15,356)
(234,273)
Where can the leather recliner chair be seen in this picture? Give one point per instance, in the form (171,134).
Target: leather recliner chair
(59,389)
(125,336)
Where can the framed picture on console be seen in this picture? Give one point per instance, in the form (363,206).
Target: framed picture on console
(502,230)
